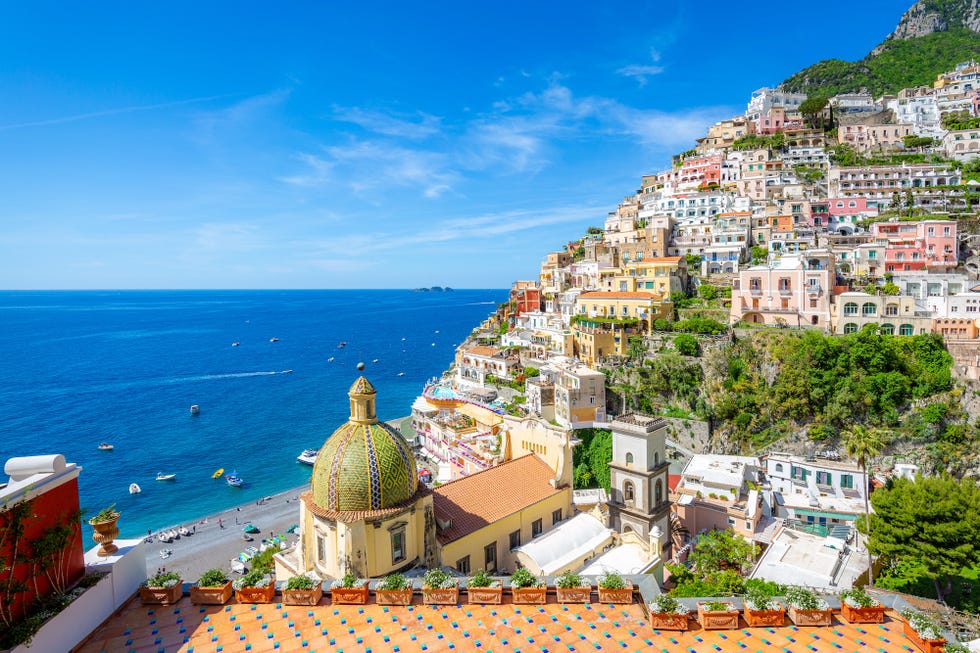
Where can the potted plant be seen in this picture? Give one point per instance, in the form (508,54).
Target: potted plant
(393,589)
(213,588)
(349,590)
(761,609)
(572,589)
(859,608)
(808,609)
(613,588)
(302,590)
(923,632)
(439,588)
(483,588)
(104,530)
(666,613)
(162,589)
(717,615)
(525,587)
(257,586)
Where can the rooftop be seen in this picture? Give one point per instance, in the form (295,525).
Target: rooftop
(729,471)
(473,502)
(235,628)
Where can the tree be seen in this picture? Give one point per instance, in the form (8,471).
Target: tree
(759,254)
(686,344)
(932,521)
(812,108)
(693,263)
(717,551)
(864,443)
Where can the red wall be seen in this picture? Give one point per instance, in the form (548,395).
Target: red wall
(50,508)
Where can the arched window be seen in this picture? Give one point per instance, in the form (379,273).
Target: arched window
(629,459)
(658,492)
(888,329)
(869,309)
(850,308)
(850,327)
(779,468)
(628,491)
(906,330)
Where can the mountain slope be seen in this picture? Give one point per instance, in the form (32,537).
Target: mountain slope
(932,37)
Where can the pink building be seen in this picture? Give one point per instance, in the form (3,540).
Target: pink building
(793,291)
(694,172)
(776,120)
(930,245)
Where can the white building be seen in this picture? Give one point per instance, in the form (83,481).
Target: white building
(766,98)
(816,492)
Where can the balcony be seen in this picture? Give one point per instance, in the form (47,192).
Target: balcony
(785,290)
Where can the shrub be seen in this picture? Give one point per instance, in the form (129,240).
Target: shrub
(922,625)
(803,599)
(302,583)
(569,580)
(348,581)
(393,582)
(438,579)
(667,604)
(717,606)
(212,578)
(524,578)
(165,579)
(611,581)
(759,599)
(686,344)
(481,579)
(254,578)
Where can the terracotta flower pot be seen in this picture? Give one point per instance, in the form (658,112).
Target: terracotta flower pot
(718,619)
(668,621)
(811,617)
(529,595)
(874,614)
(767,618)
(161,595)
(265,594)
(574,594)
(440,596)
(393,597)
(349,595)
(303,597)
(211,595)
(105,533)
(624,595)
(927,645)
(485,595)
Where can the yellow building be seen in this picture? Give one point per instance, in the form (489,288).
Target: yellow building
(604,322)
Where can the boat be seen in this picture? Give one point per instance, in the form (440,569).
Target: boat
(375,360)
(105,446)
(437,330)
(401,374)
(234,479)
(433,344)
(165,477)
(286,372)
(238,566)
(273,339)
(330,360)
(343,343)
(218,473)
(308,457)
(134,488)
(195,409)
(235,344)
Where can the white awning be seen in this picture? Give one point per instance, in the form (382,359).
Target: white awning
(573,539)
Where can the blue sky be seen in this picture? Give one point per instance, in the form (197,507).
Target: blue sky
(360,145)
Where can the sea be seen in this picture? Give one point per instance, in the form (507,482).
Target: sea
(124,367)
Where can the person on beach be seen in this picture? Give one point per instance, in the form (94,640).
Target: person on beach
(220,525)
(194,529)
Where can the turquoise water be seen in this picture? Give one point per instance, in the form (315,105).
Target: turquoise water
(80,368)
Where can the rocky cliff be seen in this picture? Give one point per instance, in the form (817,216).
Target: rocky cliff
(929,16)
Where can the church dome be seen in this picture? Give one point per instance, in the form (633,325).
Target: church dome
(365,465)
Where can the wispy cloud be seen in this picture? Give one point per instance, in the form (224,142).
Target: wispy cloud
(110,112)
(423,126)
(641,72)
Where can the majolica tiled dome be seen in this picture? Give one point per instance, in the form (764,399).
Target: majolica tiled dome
(365,465)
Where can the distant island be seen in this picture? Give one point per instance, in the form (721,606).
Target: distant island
(433,289)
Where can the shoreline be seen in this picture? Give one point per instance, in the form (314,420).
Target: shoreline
(216,538)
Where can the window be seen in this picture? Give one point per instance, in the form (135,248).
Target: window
(398,545)
(629,459)
(823,478)
(906,330)
(536,528)
(463,565)
(847,480)
(869,309)
(321,548)
(628,491)
(490,557)
(850,327)
(659,492)
(850,308)
(891,309)
(515,539)
(556,516)
(778,468)
(888,329)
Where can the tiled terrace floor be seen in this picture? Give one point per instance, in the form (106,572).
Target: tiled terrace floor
(550,628)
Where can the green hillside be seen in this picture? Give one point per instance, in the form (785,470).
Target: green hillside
(898,65)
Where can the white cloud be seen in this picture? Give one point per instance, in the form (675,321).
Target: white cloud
(389,125)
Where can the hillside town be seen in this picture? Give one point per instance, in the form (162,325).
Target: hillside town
(844,215)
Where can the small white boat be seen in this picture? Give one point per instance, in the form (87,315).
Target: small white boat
(164,537)
(234,479)
(308,457)
(174,535)
(375,360)
(401,374)
(195,409)
(437,330)
(235,344)
(165,477)
(286,372)
(273,339)
(330,360)
(105,446)
(343,343)
(134,488)
(433,344)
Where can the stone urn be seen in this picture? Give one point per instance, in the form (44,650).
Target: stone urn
(105,532)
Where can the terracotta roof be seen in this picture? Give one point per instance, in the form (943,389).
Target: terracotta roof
(481,351)
(348,516)
(475,501)
(657,259)
(617,295)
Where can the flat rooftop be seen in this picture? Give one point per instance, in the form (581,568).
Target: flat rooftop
(236,628)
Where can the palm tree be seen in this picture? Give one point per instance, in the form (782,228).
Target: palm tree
(863,443)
